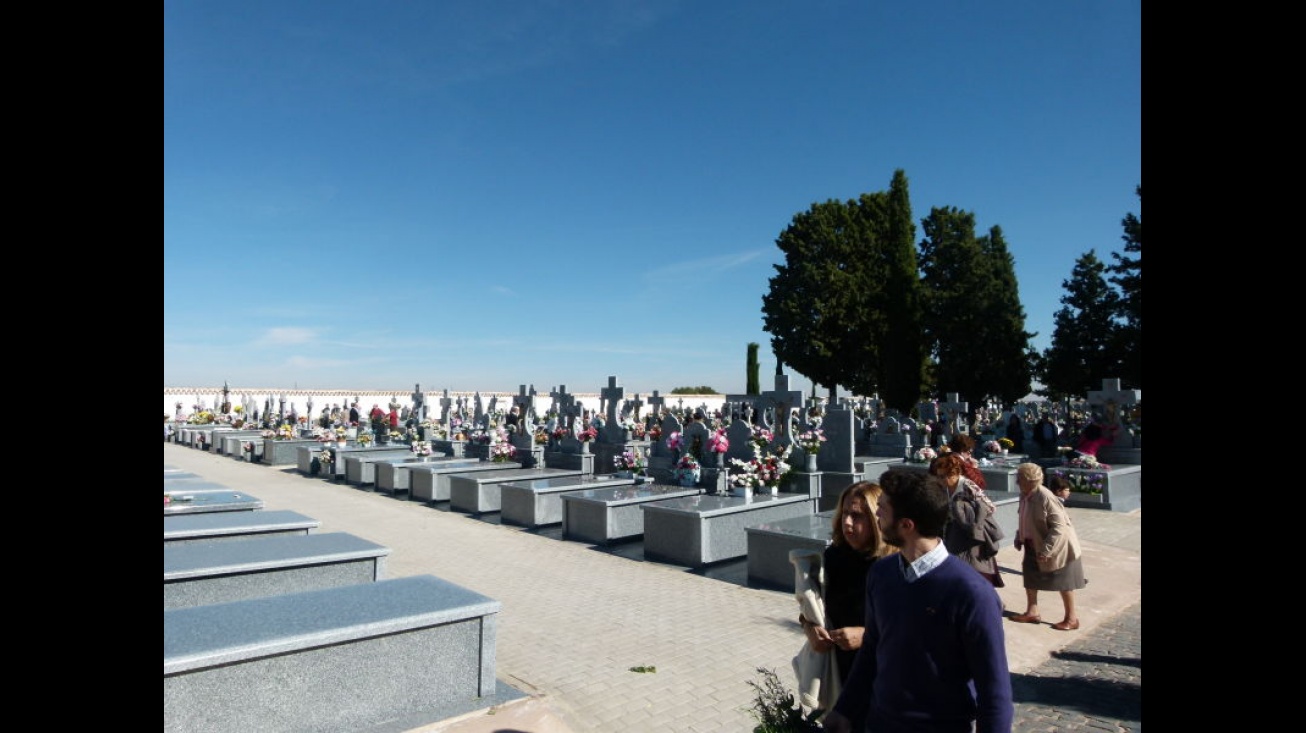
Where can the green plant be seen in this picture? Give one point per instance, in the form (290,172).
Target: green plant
(775,708)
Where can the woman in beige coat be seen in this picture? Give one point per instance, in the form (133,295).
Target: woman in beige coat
(1052,553)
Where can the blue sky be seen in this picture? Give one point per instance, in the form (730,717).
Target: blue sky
(477,194)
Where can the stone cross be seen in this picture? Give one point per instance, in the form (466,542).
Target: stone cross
(445,404)
(635,404)
(310,406)
(525,401)
(568,410)
(782,401)
(611,396)
(226,397)
(655,404)
(419,402)
(1111,398)
(954,415)
(479,414)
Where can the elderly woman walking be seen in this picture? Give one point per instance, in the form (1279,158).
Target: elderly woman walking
(1053,558)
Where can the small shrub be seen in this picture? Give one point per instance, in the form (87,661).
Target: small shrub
(775,708)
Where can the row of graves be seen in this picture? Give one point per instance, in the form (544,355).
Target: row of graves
(264,617)
(757,479)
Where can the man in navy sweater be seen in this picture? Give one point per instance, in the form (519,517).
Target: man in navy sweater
(933,656)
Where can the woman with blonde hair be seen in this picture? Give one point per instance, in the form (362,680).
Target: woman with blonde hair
(856,543)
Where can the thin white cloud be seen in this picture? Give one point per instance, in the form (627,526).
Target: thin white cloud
(715,264)
(286,335)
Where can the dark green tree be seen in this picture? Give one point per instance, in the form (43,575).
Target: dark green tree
(1127,275)
(813,309)
(1084,333)
(753,384)
(898,303)
(1005,366)
(957,280)
(844,308)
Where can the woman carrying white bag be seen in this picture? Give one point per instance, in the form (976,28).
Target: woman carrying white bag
(831,592)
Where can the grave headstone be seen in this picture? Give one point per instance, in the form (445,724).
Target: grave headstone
(611,397)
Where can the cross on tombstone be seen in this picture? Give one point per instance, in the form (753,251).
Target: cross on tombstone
(524,401)
(611,396)
(226,397)
(568,409)
(478,416)
(953,412)
(655,403)
(1111,398)
(782,401)
(635,404)
(419,402)
(445,404)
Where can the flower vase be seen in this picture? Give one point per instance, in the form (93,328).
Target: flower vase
(690,481)
(584,446)
(1004,451)
(627,436)
(773,490)
(745,492)
(811,462)
(625,474)
(720,459)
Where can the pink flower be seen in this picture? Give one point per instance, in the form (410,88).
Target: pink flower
(717,442)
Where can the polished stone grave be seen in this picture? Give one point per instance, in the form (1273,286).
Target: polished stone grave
(219,499)
(482,492)
(394,475)
(390,655)
(699,530)
(769,544)
(604,516)
(538,502)
(201,573)
(227,526)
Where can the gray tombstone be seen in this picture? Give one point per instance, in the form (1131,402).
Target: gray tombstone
(445,404)
(837,452)
(656,404)
(611,396)
(1109,400)
(781,402)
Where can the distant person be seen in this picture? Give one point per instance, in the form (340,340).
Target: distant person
(513,418)
(1045,435)
(1016,434)
(1053,557)
(1092,440)
(964,446)
(354,415)
(933,656)
(1059,486)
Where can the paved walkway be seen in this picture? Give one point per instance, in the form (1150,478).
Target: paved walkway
(577,618)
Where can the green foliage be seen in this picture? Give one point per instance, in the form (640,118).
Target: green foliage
(846,290)
(752,371)
(694,390)
(644,670)
(775,709)
(1084,333)
(1127,274)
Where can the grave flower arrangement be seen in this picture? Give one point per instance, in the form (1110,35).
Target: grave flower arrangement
(631,459)
(1006,443)
(764,470)
(587,434)
(687,469)
(811,440)
(993,446)
(325,457)
(655,432)
(924,455)
(674,441)
(421,448)
(559,433)
(1084,483)
(1088,462)
(717,441)
(541,436)
(364,439)
(501,452)
(269,434)
(762,437)
(285,432)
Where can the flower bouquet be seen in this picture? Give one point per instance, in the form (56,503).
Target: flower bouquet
(559,433)
(364,439)
(421,449)
(762,437)
(1006,443)
(1084,460)
(502,452)
(587,435)
(993,446)
(924,455)
(655,433)
(674,441)
(631,459)
(541,436)
(687,470)
(325,457)
(285,432)
(717,441)
(811,440)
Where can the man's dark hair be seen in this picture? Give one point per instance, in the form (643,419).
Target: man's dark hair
(919,497)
